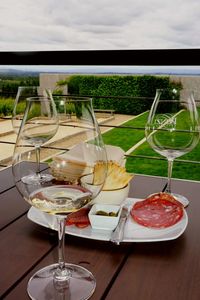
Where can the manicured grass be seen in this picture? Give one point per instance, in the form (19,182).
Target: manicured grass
(127,138)
(156,167)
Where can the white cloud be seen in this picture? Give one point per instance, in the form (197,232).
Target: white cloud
(106,24)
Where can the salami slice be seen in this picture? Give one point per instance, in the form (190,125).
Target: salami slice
(159,210)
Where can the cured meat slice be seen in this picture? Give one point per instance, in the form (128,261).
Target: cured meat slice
(160,210)
(79,218)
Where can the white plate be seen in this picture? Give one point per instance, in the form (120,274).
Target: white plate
(133,232)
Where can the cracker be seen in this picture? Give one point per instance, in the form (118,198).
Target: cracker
(117,177)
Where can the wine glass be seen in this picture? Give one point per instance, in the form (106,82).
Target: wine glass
(40,124)
(172,127)
(23,93)
(78,174)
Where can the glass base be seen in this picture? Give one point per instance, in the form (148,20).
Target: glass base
(37,179)
(181,199)
(80,284)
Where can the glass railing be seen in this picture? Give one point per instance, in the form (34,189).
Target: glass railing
(122,130)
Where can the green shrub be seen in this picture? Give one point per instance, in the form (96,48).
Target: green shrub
(125,94)
(6,106)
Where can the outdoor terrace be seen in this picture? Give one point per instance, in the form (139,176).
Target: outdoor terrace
(137,269)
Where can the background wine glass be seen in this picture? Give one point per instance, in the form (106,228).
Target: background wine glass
(23,93)
(78,176)
(172,127)
(40,124)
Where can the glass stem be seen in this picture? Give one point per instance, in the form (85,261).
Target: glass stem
(62,273)
(61,242)
(170,166)
(37,148)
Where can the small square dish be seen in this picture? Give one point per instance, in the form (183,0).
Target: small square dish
(104,216)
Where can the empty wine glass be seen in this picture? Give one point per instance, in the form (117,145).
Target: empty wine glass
(78,174)
(23,93)
(172,127)
(40,124)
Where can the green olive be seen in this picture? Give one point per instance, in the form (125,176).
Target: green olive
(112,214)
(101,213)
(104,213)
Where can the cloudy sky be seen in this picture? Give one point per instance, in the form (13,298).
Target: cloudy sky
(98,24)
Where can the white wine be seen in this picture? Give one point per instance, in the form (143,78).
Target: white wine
(39,134)
(38,139)
(61,199)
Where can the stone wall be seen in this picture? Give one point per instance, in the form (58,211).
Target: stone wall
(49,80)
(189,82)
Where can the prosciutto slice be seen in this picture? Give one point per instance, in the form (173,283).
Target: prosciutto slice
(79,218)
(159,210)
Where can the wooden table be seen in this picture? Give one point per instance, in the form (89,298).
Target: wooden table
(143,271)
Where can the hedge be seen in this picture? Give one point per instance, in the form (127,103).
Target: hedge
(130,94)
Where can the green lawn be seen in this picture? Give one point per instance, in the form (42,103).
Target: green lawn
(128,137)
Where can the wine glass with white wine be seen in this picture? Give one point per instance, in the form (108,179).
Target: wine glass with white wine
(78,174)
(172,127)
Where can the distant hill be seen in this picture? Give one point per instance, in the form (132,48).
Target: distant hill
(124,70)
(16,72)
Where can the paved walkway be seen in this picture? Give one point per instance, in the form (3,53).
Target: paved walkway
(7,136)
